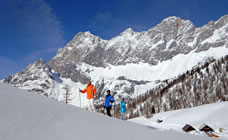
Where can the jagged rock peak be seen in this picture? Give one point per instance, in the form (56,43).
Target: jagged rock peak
(86,34)
(128,31)
(172,18)
(221,21)
(36,77)
(38,65)
(175,21)
(85,38)
(224,18)
(40,61)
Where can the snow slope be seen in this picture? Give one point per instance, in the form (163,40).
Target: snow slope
(214,115)
(27,116)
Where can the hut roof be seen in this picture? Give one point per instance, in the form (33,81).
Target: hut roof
(206,128)
(188,128)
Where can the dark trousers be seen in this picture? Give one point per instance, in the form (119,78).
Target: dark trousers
(108,109)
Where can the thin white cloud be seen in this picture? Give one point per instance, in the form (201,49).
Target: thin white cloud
(37,18)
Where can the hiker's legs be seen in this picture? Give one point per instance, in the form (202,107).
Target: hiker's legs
(92,105)
(108,110)
(123,115)
(89,105)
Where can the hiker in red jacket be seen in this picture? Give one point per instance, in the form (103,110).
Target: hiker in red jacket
(91,91)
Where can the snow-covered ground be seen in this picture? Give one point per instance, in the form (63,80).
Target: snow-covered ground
(27,116)
(215,115)
(75,96)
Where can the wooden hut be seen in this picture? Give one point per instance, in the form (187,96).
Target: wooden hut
(206,128)
(188,128)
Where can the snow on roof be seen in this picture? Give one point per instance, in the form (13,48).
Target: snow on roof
(205,127)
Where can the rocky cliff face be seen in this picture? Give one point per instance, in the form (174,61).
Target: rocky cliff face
(171,37)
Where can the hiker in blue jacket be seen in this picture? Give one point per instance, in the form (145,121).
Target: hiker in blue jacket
(108,100)
(123,109)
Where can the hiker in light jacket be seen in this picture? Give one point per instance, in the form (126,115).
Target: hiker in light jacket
(123,109)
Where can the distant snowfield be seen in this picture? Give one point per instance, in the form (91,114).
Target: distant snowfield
(166,69)
(215,115)
(26,116)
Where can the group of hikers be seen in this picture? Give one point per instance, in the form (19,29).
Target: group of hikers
(90,90)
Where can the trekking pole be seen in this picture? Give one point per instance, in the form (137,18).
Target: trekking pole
(80,97)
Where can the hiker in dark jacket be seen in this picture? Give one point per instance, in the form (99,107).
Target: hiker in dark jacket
(108,100)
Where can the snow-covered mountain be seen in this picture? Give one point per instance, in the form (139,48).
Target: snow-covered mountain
(213,115)
(38,74)
(40,79)
(27,116)
(171,37)
(128,64)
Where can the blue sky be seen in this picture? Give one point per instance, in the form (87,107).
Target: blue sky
(33,29)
